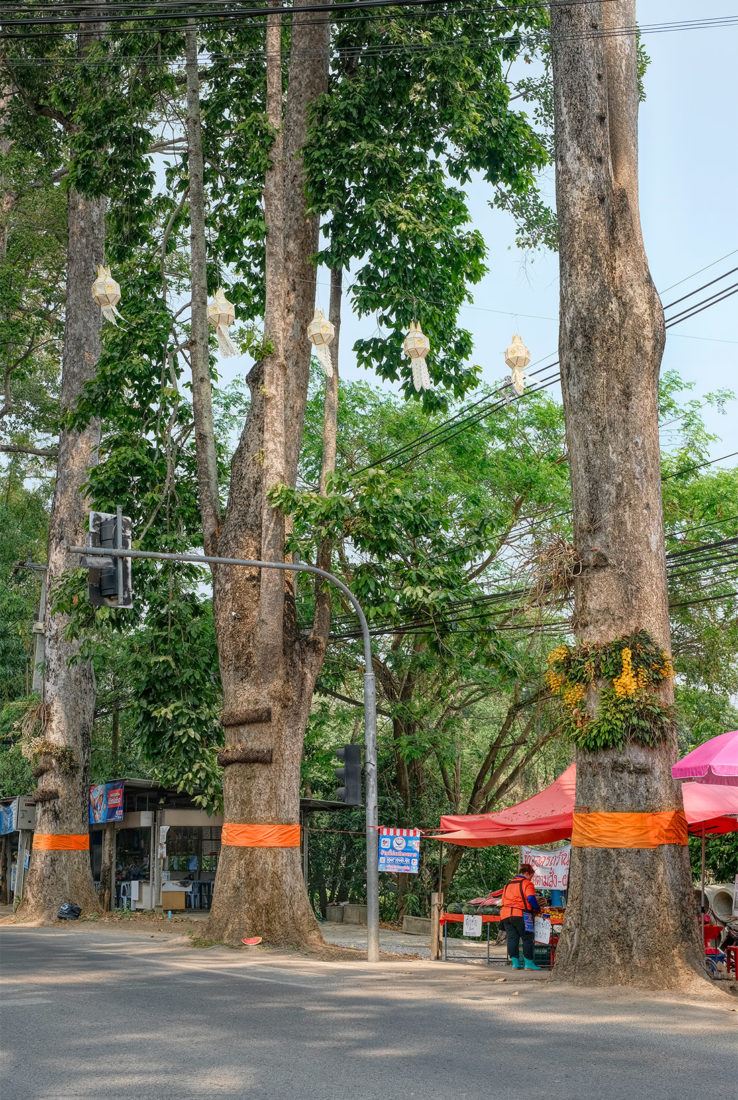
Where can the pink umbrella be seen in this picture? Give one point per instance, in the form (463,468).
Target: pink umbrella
(714,762)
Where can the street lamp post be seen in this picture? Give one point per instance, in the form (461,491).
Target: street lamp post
(370,705)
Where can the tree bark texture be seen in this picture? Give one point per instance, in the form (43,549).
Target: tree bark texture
(55,877)
(631,916)
(264,663)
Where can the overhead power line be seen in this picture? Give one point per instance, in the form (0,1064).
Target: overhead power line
(485,406)
(156,20)
(466,610)
(717,555)
(233,5)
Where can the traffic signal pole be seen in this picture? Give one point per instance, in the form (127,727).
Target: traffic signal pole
(370,705)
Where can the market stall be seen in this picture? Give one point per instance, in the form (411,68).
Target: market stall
(547,817)
(549,926)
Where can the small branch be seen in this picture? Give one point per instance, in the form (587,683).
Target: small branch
(172,145)
(202,398)
(41,452)
(165,237)
(447,785)
(322,618)
(8,397)
(351,702)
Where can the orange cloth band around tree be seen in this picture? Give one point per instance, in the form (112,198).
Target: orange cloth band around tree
(629,830)
(260,836)
(61,842)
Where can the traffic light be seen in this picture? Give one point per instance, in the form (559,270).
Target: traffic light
(350,773)
(109,581)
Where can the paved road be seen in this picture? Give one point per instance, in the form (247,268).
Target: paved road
(108,1012)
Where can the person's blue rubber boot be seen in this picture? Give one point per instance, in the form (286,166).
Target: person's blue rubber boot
(515,963)
(530,965)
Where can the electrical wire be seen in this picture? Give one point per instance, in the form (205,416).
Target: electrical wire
(704,286)
(698,466)
(154,20)
(705,546)
(455,611)
(439,434)
(127,5)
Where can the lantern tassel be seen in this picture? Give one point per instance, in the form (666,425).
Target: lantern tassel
(518,379)
(110,313)
(421,378)
(226,346)
(323,352)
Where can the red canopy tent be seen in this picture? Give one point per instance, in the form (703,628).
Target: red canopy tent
(548,816)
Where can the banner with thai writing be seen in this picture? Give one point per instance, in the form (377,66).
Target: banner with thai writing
(106,803)
(399,850)
(552,868)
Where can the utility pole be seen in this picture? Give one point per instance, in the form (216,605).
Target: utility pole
(370,705)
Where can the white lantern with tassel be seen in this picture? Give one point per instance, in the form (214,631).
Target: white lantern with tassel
(417,346)
(221,316)
(106,292)
(320,333)
(517,357)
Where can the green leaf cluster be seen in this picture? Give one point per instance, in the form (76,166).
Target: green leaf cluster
(638,720)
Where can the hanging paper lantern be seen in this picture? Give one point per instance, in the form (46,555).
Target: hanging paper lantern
(106,292)
(320,333)
(221,316)
(517,358)
(417,346)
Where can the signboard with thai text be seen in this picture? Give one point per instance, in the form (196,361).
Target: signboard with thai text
(552,868)
(399,850)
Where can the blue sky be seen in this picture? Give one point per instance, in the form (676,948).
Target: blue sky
(689,213)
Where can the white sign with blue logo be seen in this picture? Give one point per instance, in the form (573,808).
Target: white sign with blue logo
(399,850)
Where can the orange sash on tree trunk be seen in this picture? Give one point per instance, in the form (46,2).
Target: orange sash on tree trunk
(629,830)
(61,842)
(260,836)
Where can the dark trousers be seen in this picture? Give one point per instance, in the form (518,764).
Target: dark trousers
(515,929)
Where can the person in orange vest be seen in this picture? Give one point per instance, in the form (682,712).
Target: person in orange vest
(518,906)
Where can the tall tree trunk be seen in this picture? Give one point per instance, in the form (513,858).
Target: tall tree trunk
(115,740)
(58,875)
(6,195)
(202,403)
(267,671)
(631,915)
(330,405)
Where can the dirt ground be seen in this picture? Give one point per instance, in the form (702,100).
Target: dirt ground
(188,928)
